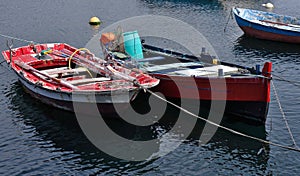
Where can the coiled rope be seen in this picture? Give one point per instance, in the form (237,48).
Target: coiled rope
(72,55)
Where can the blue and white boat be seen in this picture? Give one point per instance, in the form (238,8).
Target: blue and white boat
(268,25)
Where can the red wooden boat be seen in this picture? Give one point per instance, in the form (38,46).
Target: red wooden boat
(61,75)
(246,91)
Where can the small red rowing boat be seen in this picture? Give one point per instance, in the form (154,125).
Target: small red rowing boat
(61,75)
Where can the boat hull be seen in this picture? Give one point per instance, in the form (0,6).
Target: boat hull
(245,98)
(267,32)
(256,33)
(107,104)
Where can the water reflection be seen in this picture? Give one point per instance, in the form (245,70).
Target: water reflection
(205,4)
(58,132)
(246,44)
(275,51)
(160,3)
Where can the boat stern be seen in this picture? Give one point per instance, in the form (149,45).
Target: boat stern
(267,69)
(267,72)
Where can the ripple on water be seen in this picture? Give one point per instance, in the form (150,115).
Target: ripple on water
(38,140)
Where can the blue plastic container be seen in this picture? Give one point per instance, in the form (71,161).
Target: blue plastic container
(133,45)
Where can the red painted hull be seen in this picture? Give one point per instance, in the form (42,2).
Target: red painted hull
(245,98)
(80,108)
(235,89)
(269,36)
(243,91)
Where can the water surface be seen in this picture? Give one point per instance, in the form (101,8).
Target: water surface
(37,139)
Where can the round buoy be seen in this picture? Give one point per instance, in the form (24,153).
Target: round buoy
(94,21)
(268,5)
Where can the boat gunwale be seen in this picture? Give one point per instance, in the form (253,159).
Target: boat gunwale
(284,26)
(86,92)
(253,74)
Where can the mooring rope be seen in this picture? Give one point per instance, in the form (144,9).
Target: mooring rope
(293,82)
(283,115)
(201,118)
(223,127)
(296,83)
(15,38)
(229,17)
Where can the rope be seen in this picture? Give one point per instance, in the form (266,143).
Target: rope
(295,83)
(279,78)
(229,16)
(201,118)
(223,127)
(283,116)
(15,38)
(71,57)
(297,149)
(233,33)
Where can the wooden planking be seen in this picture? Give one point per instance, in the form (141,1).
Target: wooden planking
(88,80)
(62,70)
(54,69)
(173,65)
(205,71)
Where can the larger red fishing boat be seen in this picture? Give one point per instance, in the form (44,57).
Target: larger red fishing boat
(245,91)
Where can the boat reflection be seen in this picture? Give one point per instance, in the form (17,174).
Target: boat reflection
(58,131)
(251,49)
(247,45)
(204,4)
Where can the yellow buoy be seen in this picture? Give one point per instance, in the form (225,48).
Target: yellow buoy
(268,5)
(94,21)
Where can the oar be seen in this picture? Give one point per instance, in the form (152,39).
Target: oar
(121,75)
(114,72)
(150,59)
(35,71)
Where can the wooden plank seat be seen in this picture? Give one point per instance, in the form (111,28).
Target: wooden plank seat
(54,69)
(88,80)
(63,71)
(172,65)
(207,71)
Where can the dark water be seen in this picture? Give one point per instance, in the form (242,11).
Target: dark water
(36,139)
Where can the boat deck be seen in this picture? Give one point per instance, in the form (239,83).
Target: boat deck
(184,67)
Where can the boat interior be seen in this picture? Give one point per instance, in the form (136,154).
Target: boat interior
(55,67)
(172,65)
(268,17)
(136,53)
